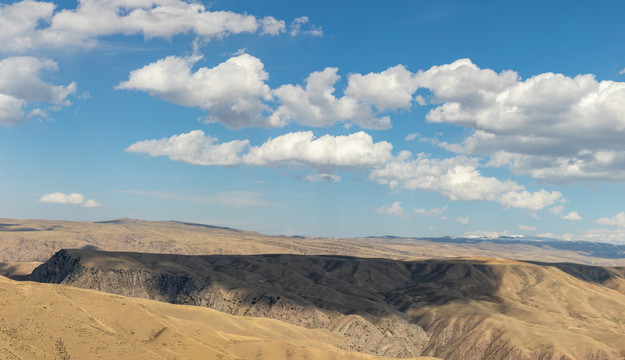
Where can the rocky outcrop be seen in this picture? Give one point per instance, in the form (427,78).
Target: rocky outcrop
(389,335)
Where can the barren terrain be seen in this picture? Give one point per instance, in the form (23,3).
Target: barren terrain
(452,309)
(43,321)
(38,240)
(174,290)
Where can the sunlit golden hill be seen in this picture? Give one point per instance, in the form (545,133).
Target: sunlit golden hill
(44,321)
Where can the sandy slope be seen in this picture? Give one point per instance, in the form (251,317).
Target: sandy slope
(38,240)
(44,321)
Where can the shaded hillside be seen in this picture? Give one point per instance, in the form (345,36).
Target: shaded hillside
(38,240)
(452,309)
(17,269)
(316,292)
(46,321)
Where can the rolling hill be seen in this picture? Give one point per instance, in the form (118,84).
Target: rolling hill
(471,308)
(38,240)
(45,321)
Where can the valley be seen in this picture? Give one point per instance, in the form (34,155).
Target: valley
(134,289)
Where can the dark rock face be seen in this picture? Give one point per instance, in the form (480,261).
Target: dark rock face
(57,269)
(236,285)
(382,307)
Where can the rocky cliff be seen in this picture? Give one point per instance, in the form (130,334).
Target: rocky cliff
(232,285)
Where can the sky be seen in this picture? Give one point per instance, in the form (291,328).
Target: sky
(318,118)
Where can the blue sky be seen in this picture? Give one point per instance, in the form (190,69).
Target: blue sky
(318,118)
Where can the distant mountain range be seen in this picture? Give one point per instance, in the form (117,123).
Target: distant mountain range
(597,249)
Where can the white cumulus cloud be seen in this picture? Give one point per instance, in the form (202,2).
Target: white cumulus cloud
(430,212)
(463,220)
(553,127)
(324,154)
(528,200)
(573,216)
(550,126)
(236,94)
(617,220)
(19,24)
(327,152)
(458,178)
(393,210)
(389,89)
(11,110)
(556,210)
(298,23)
(194,148)
(411,136)
(60,198)
(455,178)
(232,91)
(91,204)
(73,198)
(365,102)
(272,26)
(31,24)
(24,94)
(316,105)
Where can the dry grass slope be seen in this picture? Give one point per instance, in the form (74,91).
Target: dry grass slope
(44,321)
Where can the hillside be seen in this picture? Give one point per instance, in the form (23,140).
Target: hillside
(17,269)
(44,321)
(453,309)
(38,240)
